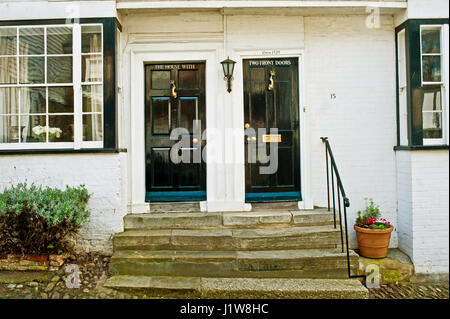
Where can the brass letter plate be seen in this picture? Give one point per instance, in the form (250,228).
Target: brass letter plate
(271,138)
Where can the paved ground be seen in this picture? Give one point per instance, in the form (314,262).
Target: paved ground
(411,291)
(93,270)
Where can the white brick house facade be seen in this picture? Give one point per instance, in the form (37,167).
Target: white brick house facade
(347,87)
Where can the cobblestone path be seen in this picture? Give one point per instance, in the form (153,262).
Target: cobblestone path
(410,291)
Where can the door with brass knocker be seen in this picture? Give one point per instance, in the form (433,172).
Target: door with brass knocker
(271,100)
(175,97)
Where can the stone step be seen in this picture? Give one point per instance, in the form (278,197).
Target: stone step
(163,207)
(303,263)
(291,237)
(173,220)
(283,205)
(199,220)
(253,288)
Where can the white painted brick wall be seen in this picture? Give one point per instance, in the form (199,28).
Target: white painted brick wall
(430,210)
(405,216)
(103,175)
(344,57)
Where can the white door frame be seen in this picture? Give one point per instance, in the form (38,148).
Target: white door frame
(238,100)
(154,53)
(225,184)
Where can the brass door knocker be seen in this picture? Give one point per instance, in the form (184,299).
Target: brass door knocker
(173,88)
(272,74)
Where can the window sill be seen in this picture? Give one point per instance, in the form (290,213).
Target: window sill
(63,151)
(421,147)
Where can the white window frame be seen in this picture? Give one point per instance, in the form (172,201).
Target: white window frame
(78,142)
(402,88)
(443,54)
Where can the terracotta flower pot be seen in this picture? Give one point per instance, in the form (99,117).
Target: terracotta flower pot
(373,243)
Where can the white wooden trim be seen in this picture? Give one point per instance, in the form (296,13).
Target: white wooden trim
(139,56)
(225,182)
(431,26)
(77,100)
(238,101)
(32,9)
(258,4)
(76,55)
(35,146)
(443,28)
(445,60)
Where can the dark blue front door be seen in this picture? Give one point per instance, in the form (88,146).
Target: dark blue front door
(175,97)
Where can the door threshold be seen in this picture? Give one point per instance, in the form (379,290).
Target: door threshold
(272,197)
(179,196)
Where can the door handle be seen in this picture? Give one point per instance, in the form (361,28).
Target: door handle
(272,74)
(173,89)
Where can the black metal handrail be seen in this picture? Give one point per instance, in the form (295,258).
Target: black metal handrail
(341,196)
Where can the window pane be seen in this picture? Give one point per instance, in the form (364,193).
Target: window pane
(432,125)
(8,41)
(9,101)
(31,41)
(92,98)
(59,40)
(60,99)
(431,68)
(8,70)
(32,100)
(91,68)
(31,70)
(33,128)
(59,69)
(92,127)
(432,100)
(9,131)
(62,126)
(91,39)
(431,41)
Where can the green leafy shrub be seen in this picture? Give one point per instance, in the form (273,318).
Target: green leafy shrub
(370,217)
(37,220)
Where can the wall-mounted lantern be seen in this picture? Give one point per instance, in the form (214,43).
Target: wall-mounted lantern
(228,69)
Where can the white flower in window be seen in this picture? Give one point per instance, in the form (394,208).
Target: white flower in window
(40,132)
(55,131)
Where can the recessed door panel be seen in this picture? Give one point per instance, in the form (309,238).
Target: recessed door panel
(188,112)
(160,79)
(161,111)
(161,174)
(188,79)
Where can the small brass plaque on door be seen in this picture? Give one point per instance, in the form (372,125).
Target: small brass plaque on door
(271,138)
